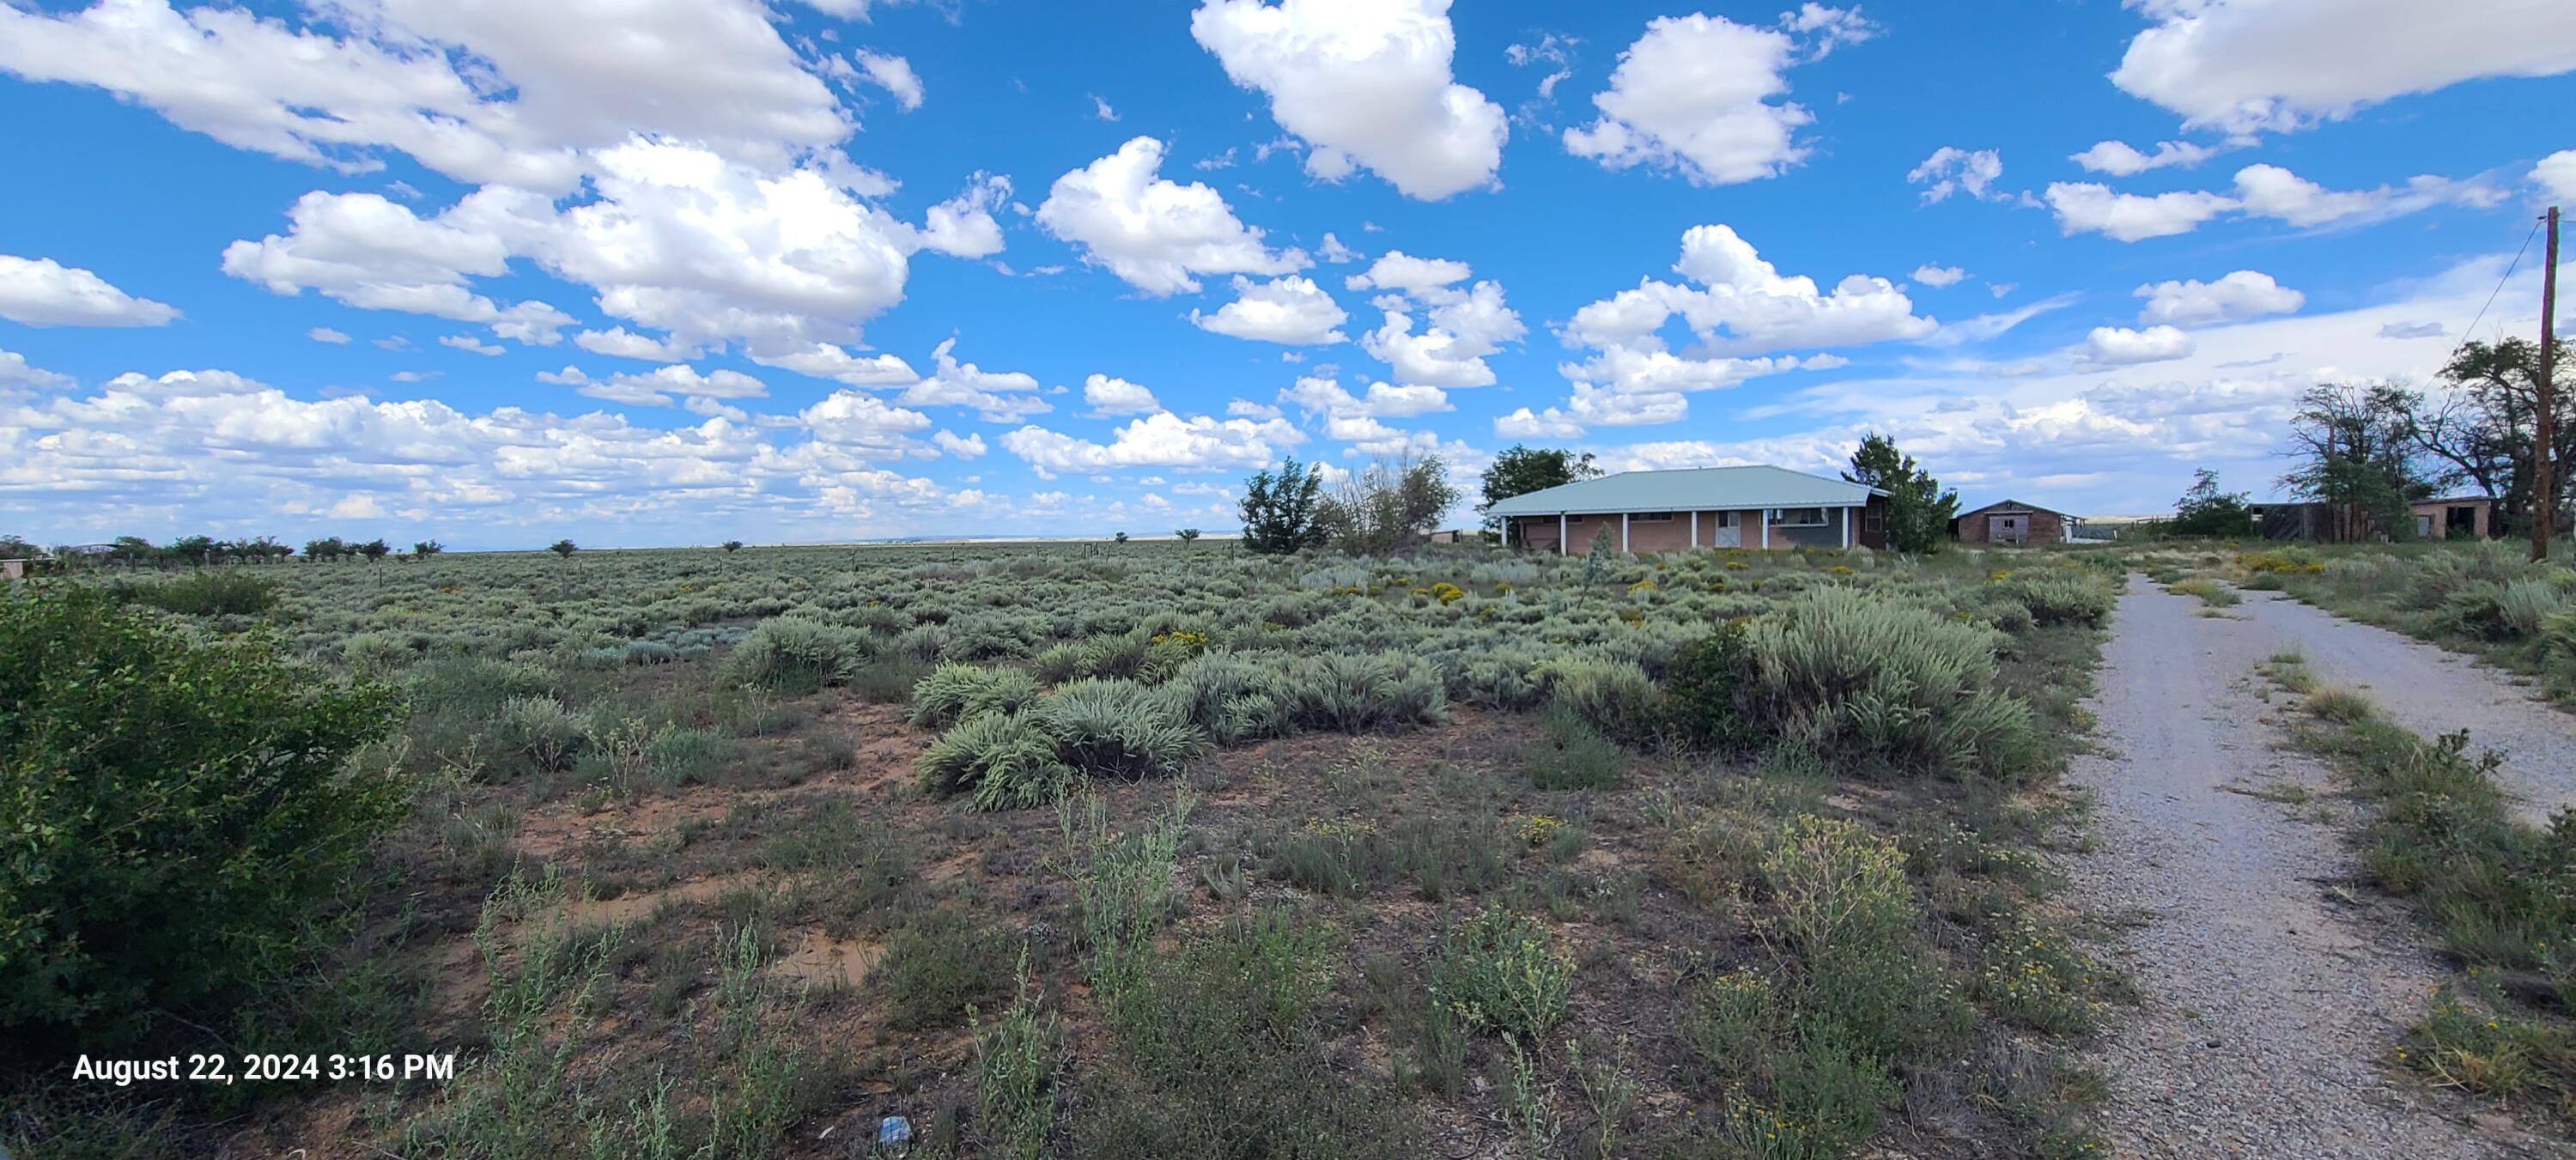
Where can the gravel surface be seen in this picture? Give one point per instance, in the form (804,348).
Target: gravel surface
(2432,692)
(2269,995)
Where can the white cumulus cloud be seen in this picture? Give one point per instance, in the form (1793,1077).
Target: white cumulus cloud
(43,292)
(2255,65)
(2240,295)
(1695,95)
(1292,310)
(1154,233)
(1365,83)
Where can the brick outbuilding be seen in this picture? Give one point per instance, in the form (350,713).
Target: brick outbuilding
(2013,524)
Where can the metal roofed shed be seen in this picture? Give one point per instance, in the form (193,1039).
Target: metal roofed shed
(1706,507)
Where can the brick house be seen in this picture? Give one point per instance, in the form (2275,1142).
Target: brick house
(2013,524)
(1708,507)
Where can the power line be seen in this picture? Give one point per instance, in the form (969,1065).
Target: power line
(2509,268)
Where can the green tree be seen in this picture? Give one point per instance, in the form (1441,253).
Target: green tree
(1281,510)
(175,814)
(1918,510)
(1521,469)
(1391,505)
(2206,511)
(1188,536)
(425,549)
(1120,538)
(375,549)
(330,549)
(2357,446)
(563,548)
(2479,431)
(732,546)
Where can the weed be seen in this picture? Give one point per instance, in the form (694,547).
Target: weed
(1503,972)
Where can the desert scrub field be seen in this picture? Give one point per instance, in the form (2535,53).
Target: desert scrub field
(1160,850)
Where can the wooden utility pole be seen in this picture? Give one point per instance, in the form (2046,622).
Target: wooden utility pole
(2544,445)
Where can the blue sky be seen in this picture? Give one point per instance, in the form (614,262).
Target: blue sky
(674,271)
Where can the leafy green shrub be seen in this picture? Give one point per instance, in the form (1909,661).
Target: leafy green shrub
(178,813)
(1117,729)
(1502,971)
(1888,683)
(1836,882)
(795,655)
(1573,755)
(205,592)
(1704,688)
(1004,759)
(954,692)
(543,731)
(1617,697)
(2058,597)
(2011,617)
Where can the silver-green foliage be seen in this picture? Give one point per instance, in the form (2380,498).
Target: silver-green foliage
(796,653)
(954,692)
(1002,759)
(1111,728)
(1888,682)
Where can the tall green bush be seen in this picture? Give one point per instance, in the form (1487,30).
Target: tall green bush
(175,814)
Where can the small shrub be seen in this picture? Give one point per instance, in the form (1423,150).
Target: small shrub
(1357,692)
(2059,598)
(955,692)
(543,731)
(940,966)
(1502,971)
(795,655)
(1704,686)
(1572,755)
(1003,759)
(1117,729)
(1888,683)
(1617,697)
(1019,1059)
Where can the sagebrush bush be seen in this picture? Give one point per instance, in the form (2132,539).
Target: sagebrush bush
(1234,697)
(1002,759)
(1889,684)
(180,814)
(1121,729)
(795,654)
(1357,692)
(953,692)
(541,730)
(2058,597)
(1617,697)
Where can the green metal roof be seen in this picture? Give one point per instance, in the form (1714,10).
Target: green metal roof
(1695,489)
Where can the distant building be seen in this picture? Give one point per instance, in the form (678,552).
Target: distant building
(2455,517)
(2013,524)
(1707,507)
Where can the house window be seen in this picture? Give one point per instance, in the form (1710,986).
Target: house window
(1876,521)
(1812,517)
(1729,519)
(1651,517)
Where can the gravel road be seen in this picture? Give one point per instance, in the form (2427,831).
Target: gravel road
(2432,692)
(2269,996)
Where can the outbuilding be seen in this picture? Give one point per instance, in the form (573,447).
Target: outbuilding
(2013,524)
(1757,507)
